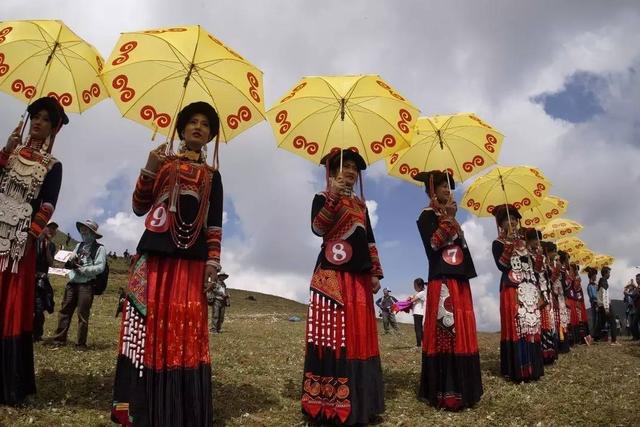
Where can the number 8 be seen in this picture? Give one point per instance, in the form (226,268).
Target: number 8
(338,252)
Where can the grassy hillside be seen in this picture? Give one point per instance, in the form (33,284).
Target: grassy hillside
(257,367)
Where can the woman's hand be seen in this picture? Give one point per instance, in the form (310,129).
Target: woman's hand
(337,185)
(14,139)
(210,278)
(375,284)
(156,159)
(451,207)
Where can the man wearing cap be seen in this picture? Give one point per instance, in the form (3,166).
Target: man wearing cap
(87,261)
(45,251)
(220,302)
(385,303)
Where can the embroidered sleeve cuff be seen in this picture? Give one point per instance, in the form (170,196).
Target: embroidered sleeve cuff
(41,219)
(376,268)
(143,194)
(446,232)
(214,243)
(325,218)
(505,258)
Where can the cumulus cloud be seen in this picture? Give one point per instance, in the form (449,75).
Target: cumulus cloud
(490,58)
(372,206)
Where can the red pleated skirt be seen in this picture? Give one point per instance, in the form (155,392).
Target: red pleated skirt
(17,297)
(460,303)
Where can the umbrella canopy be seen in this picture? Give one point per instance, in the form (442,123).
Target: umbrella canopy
(520,186)
(550,207)
(152,74)
(361,112)
(583,256)
(559,228)
(46,58)
(601,260)
(571,245)
(462,144)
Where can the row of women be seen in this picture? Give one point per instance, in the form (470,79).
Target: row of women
(163,370)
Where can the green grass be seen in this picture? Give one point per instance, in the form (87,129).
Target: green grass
(257,369)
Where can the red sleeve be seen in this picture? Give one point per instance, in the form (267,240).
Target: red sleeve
(214,221)
(323,212)
(143,193)
(446,232)
(4,158)
(48,196)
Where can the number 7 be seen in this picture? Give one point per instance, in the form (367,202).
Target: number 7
(452,253)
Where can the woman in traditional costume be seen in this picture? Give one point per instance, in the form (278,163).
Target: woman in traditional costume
(450,377)
(163,373)
(567,278)
(520,341)
(584,336)
(549,338)
(561,312)
(30,179)
(342,381)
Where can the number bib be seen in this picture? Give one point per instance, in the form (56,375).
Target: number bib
(338,252)
(515,276)
(453,255)
(158,219)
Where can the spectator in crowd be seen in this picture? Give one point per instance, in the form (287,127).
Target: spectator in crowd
(630,296)
(45,251)
(592,292)
(219,300)
(418,308)
(604,310)
(385,303)
(88,260)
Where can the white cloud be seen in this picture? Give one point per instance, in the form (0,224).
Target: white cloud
(487,58)
(372,206)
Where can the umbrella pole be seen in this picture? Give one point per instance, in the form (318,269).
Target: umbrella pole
(169,148)
(506,203)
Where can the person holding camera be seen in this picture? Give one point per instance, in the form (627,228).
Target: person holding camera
(218,298)
(88,260)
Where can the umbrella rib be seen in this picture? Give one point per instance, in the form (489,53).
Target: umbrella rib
(230,84)
(164,79)
(326,137)
(378,115)
(15,68)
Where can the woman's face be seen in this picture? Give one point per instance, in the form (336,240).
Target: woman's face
(196,132)
(510,224)
(41,126)
(443,193)
(349,173)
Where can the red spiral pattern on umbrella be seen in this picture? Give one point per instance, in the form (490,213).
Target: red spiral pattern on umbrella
(160,119)
(27,90)
(405,169)
(100,63)
(4,32)
(219,43)
(476,161)
(4,68)
(387,141)
(551,213)
(480,122)
(532,221)
(300,142)
(94,91)
(539,189)
(120,82)
(394,158)
(535,172)
(64,99)
(253,86)
(243,115)
(405,118)
(125,49)
(491,141)
(471,203)
(524,202)
(166,30)
(281,119)
(388,88)
(294,91)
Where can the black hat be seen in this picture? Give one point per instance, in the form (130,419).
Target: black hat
(199,107)
(563,255)
(438,178)
(532,234)
(500,212)
(51,106)
(548,246)
(332,160)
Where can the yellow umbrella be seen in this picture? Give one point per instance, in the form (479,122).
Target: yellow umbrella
(520,186)
(461,143)
(152,74)
(549,208)
(571,245)
(583,256)
(559,228)
(361,112)
(46,58)
(601,260)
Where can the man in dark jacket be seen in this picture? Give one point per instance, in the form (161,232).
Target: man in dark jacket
(388,317)
(45,251)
